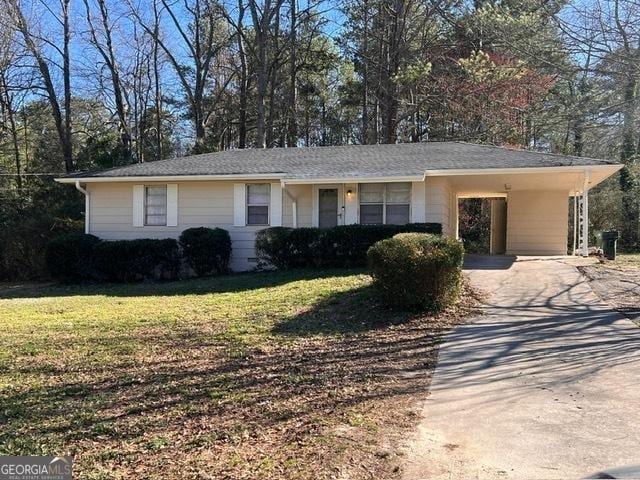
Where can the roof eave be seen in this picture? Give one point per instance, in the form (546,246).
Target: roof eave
(352,179)
(496,171)
(608,168)
(172,178)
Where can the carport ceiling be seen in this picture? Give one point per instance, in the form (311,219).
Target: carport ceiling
(497,185)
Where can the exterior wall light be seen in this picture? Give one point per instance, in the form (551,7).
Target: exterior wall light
(349,193)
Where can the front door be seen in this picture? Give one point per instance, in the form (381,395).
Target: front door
(328,207)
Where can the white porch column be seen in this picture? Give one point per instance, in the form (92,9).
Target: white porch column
(275,206)
(575,222)
(294,204)
(350,203)
(585,215)
(418,202)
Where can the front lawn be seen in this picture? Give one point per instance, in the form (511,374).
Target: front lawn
(270,375)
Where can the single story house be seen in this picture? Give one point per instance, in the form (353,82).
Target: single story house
(245,191)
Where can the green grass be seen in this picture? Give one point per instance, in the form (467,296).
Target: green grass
(100,322)
(238,376)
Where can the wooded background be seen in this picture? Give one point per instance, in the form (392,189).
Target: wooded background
(88,84)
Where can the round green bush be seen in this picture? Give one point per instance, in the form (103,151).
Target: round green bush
(70,257)
(206,250)
(417,270)
(138,260)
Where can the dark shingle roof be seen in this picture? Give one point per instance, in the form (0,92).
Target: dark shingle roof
(351,161)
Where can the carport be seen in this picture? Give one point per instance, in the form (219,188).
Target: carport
(530,207)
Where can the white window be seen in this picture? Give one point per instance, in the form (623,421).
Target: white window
(155,205)
(398,203)
(385,203)
(258,200)
(372,203)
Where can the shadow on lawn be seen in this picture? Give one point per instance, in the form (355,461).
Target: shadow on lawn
(197,286)
(195,392)
(354,311)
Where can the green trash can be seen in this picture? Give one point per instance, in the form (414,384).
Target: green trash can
(609,241)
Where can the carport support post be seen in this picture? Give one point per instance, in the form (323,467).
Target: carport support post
(585,215)
(575,221)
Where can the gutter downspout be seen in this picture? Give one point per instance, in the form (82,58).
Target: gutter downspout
(294,204)
(86,205)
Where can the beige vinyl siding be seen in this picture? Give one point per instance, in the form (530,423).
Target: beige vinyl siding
(537,223)
(207,203)
(439,203)
(304,196)
(200,204)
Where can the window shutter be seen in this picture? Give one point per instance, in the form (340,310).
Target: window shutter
(275,206)
(418,202)
(172,205)
(138,205)
(239,205)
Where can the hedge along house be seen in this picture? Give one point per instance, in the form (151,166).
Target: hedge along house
(245,191)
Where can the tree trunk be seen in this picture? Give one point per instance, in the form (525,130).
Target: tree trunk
(158,88)
(261,24)
(108,55)
(292,125)
(627,157)
(61,120)
(244,79)
(67,149)
(272,86)
(261,84)
(198,120)
(7,104)
(365,76)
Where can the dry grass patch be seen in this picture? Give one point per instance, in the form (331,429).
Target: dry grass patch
(272,375)
(618,283)
(628,260)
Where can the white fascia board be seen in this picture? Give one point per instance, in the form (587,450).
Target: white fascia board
(320,181)
(484,195)
(612,168)
(497,171)
(171,178)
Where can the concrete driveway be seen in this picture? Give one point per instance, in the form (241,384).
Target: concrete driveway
(545,385)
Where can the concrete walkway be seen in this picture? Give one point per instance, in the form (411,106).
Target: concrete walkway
(545,385)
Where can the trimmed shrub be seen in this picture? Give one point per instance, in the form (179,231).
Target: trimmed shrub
(70,258)
(342,246)
(272,246)
(136,260)
(206,250)
(303,244)
(417,271)
(347,245)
